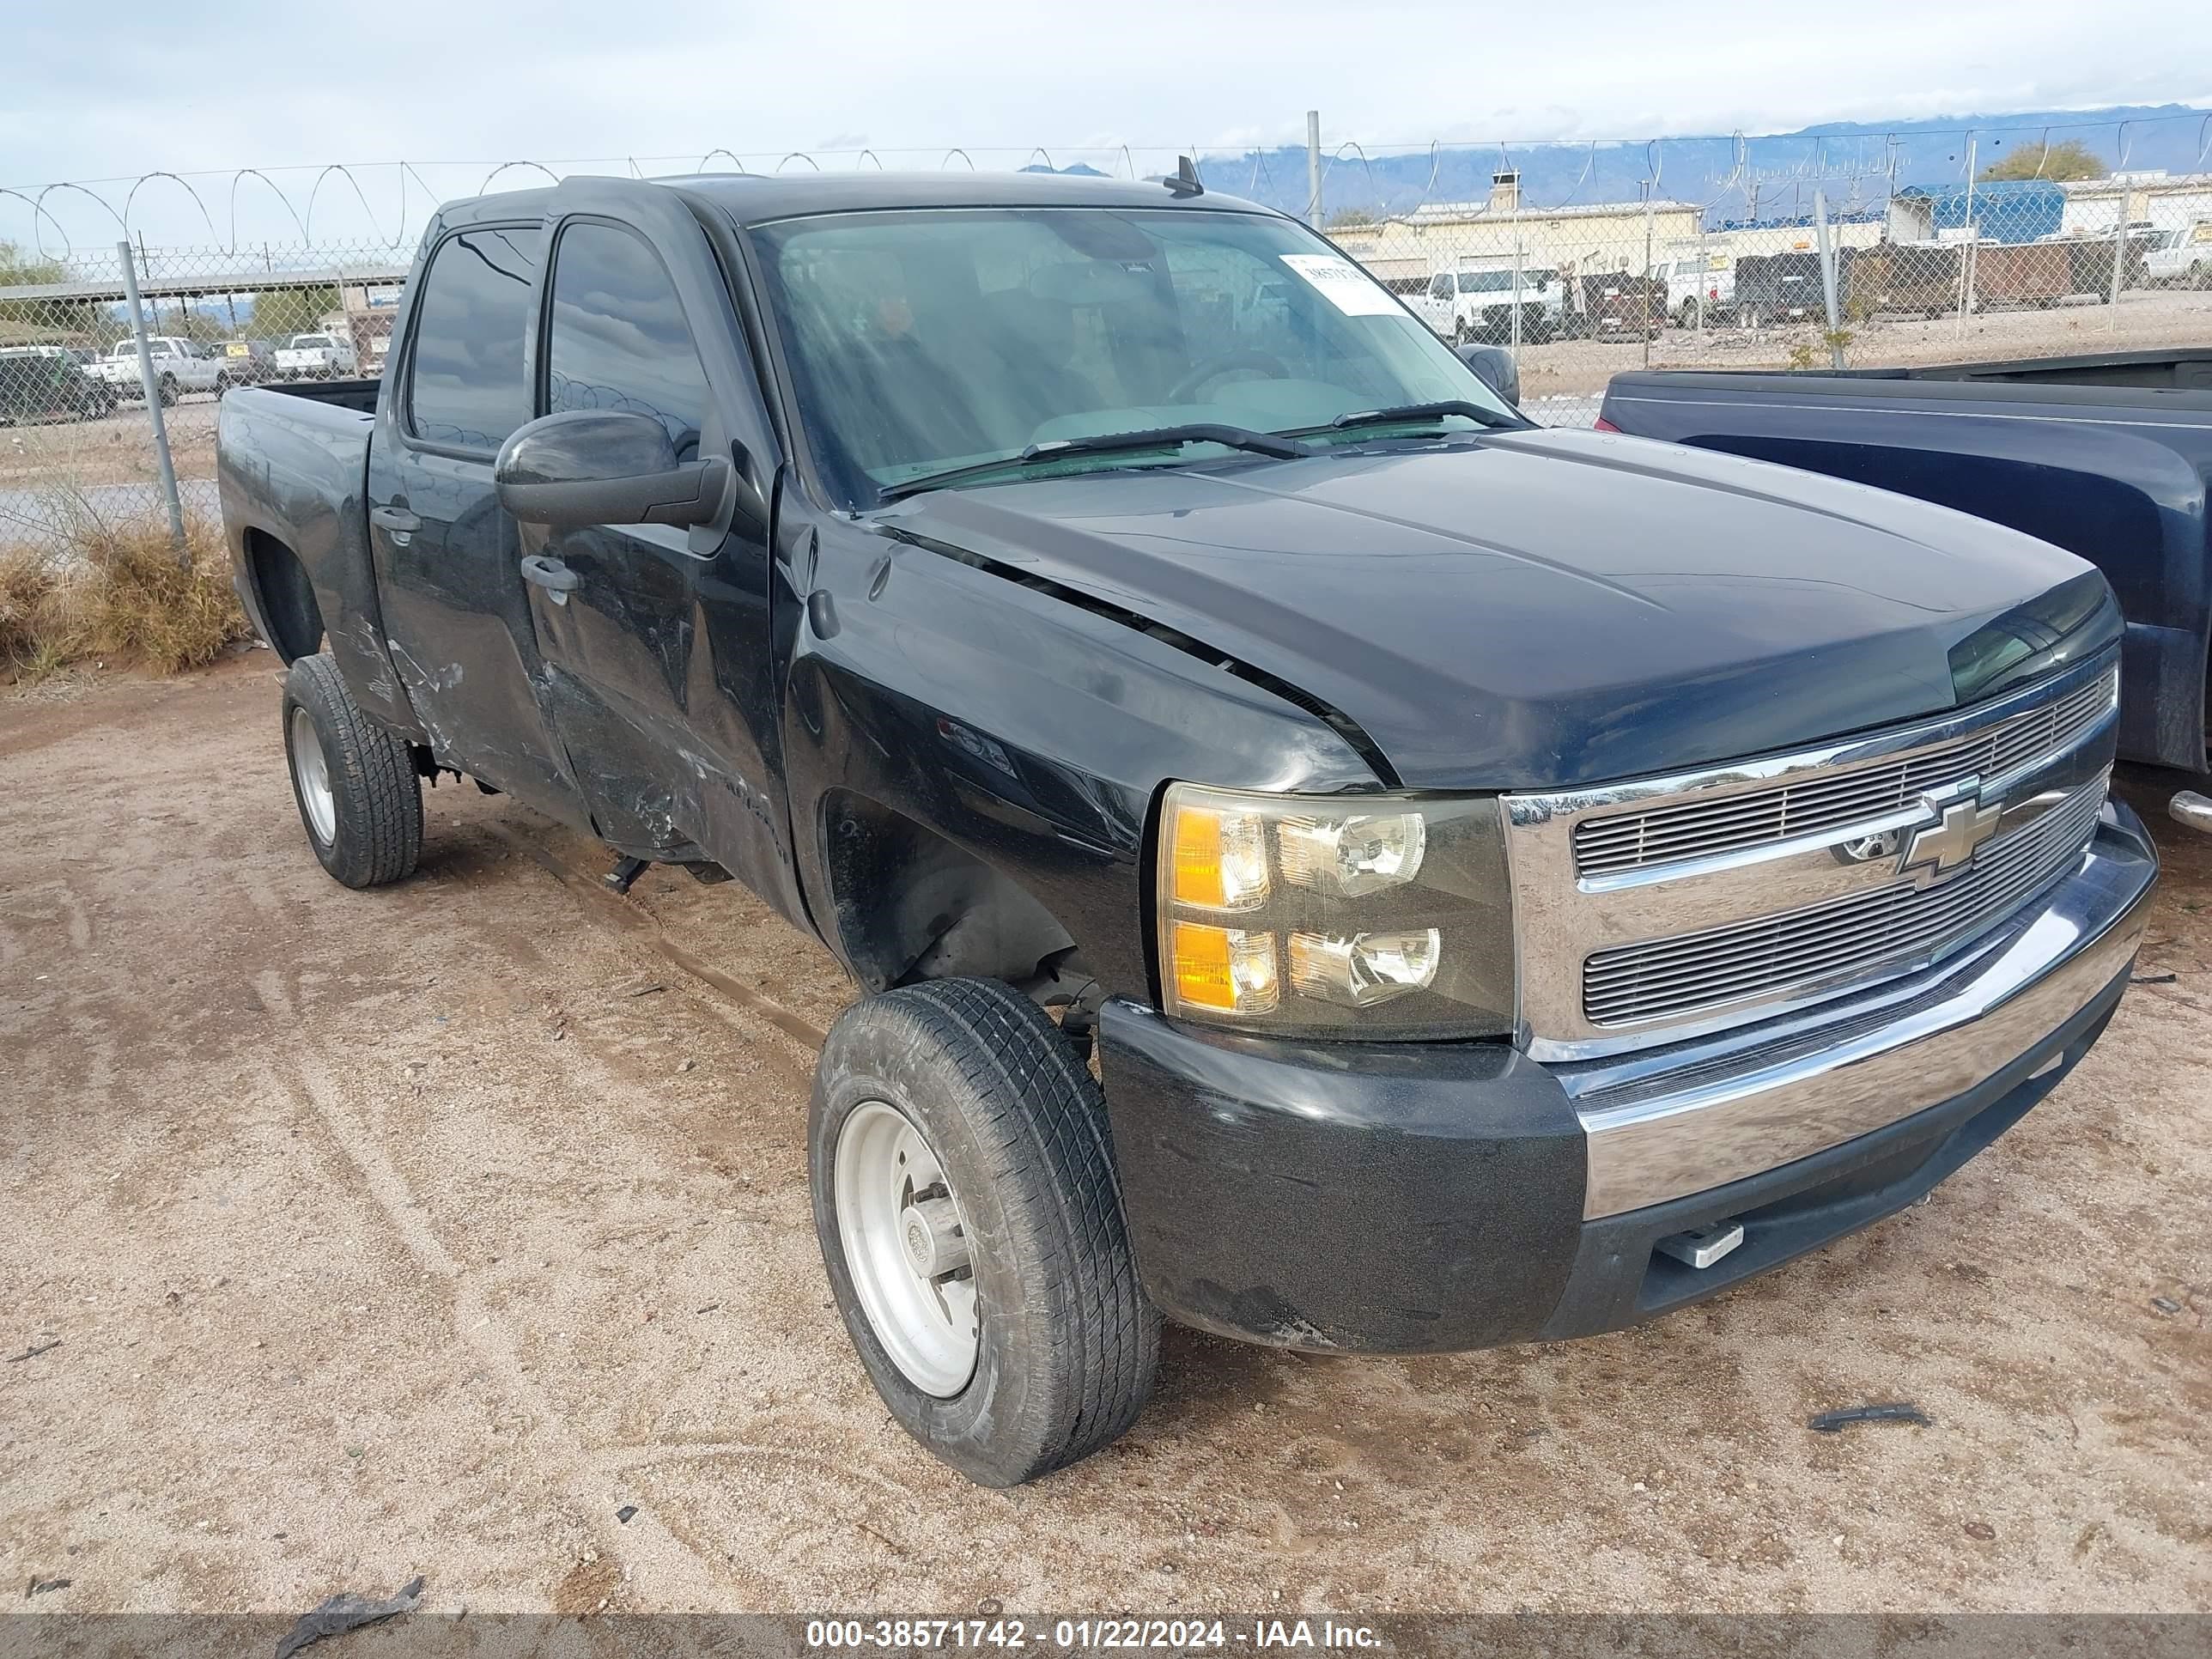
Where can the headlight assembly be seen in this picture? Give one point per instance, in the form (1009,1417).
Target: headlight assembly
(1379,916)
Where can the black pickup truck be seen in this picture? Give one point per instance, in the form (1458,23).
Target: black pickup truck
(2107,456)
(1329,860)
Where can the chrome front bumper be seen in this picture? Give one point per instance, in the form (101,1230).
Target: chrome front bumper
(1663,1123)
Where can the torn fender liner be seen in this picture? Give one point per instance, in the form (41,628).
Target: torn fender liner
(348,1612)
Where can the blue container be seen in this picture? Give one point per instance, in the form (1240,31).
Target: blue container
(2005,210)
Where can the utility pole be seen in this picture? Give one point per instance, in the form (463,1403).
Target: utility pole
(149,384)
(1968,249)
(1828,279)
(1313,168)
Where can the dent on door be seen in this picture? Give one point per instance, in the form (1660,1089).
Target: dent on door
(634,676)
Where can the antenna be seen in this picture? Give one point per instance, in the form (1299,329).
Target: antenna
(1184,181)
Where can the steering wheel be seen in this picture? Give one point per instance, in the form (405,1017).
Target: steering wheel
(1226,363)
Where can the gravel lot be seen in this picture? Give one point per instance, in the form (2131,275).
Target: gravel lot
(366,1235)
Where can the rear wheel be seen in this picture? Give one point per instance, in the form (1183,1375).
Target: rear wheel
(169,391)
(360,799)
(971,1226)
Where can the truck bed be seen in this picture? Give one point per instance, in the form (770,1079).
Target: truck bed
(2118,371)
(292,466)
(359,395)
(2108,456)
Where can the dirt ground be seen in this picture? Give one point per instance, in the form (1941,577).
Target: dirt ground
(349,1236)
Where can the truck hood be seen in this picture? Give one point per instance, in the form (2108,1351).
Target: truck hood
(1547,608)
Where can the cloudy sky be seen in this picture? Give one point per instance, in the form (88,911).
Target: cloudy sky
(456,86)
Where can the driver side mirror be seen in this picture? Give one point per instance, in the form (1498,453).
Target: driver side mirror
(1494,367)
(590,466)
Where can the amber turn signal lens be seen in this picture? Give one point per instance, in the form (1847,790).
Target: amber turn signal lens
(1220,858)
(1224,969)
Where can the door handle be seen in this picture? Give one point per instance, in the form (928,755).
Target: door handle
(554,577)
(398,520)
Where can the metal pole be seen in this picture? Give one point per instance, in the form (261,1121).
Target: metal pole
(1704,275)
(1313,168)
(1643,294)
(1515,346)
(1828,278)
(151,385)
(1966,247)
(2119,252)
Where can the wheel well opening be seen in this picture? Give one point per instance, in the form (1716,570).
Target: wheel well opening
(910,906)
(288,597)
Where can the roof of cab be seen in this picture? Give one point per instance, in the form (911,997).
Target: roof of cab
(757,198)
(753,198)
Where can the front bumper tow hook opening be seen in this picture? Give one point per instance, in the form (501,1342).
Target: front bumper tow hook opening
(1702,1246)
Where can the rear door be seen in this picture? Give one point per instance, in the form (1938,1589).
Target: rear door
(447,556)
(657,645)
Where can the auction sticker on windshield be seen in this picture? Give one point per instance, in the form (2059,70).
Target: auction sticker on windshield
(1347,288)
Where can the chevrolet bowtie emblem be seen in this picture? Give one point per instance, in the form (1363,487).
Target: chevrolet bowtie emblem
(1963,823)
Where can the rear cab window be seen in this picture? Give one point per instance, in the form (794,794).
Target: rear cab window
(465,385)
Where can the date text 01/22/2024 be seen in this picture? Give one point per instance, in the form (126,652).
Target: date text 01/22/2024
(1174,1634)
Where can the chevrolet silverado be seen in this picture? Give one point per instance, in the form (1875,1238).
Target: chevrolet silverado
(1326,861)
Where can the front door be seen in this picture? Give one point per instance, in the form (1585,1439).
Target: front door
(656,640)
(447,556)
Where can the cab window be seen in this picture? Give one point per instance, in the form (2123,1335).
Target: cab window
(467,387)
(617,338)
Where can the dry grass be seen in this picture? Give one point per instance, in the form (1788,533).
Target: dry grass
(119,594)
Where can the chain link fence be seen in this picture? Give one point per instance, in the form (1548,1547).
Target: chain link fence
(77,456)
(1975,271)
(1833,262)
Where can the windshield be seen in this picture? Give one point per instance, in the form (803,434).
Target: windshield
(310,342)
(927,339)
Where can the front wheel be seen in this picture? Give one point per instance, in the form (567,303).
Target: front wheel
(169,392)
(971,1226)
(360,799)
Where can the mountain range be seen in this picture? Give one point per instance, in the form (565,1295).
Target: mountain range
(1770,175)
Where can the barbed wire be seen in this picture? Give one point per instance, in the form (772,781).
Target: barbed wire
(1121,159)
(1583,257)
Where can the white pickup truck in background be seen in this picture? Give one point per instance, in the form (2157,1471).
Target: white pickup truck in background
(317,356)
(180,366)
(2180,258)
(1476,303)
(1692,279)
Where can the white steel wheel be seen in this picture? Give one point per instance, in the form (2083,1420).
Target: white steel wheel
(311,772)
(906,1249)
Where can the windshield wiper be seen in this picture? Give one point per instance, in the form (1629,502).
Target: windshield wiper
(1276,444)
(1407,413)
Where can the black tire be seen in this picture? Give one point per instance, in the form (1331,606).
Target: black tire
(167,388)
(377,830)
(1067,1341)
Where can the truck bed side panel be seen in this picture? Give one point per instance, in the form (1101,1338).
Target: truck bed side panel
(292,469)
(2118,477)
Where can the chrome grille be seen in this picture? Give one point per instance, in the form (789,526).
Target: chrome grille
(1888,928)
(1700,829)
